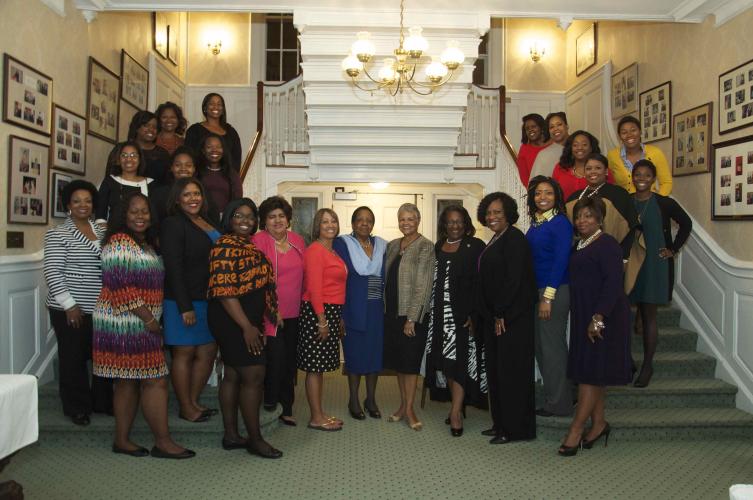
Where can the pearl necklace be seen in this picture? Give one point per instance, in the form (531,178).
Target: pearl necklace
(214,169)
(584,243)
(453,242)
(590,194)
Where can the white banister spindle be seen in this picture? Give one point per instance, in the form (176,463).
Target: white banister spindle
(284,120)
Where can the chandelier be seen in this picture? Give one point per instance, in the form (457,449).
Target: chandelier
(399,72)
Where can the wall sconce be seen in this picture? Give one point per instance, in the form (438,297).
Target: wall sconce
(537,51)
(215,47)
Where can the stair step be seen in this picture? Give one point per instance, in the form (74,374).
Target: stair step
(671,338)
(683,364)
(667,316)
(674,393)
(664,424)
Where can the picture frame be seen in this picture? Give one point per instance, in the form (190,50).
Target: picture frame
(59,181)
(691,143)
(732,181)
(655,112)
(28,176)
(173,37)
(102,102)
(68,142)
(159,33)
(27,96)
(304,208)
(736,98)
(134,81)
(625,91)
(586,46)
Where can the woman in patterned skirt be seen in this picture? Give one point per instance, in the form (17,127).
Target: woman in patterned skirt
(321,324)
(127,342)
(453,356)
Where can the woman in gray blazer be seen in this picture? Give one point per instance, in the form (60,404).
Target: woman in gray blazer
(408,281)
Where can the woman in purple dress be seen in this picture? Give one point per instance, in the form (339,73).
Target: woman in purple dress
(599,325)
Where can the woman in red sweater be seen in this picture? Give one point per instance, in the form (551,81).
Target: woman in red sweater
(570,172)
(535,137)
(321,325)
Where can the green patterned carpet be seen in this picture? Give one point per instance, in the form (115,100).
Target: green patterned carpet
(380,460)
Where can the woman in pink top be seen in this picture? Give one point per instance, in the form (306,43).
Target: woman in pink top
(284,249)
(321,325)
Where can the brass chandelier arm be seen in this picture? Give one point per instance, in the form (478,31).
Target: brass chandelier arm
(365,89)
(414,89)
(430,85)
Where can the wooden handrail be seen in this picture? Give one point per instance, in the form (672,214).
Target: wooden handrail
(502,128)
(259,129)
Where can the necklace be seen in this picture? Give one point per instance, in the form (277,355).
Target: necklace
(584,243)
(403,248)
(449,242)
(366,245)
(282,240)
(214,169)
(590,193)
(645,207)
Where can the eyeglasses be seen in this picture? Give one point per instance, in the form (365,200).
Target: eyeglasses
(240,216)
(126,156)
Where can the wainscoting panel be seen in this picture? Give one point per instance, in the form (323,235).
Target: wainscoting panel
(163,85)
(588,107)
(27,342)
(714,291)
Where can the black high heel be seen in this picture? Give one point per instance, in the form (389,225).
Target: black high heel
(372,413)
(447,420)
(358,415)
(643,381)
(570,451)
(605,432)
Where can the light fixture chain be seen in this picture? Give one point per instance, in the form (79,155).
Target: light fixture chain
(402,8)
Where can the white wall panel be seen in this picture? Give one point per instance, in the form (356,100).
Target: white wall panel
(525,102)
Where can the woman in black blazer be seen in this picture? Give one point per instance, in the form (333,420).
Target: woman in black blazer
(505,307)
(452,350)
(186,238)
(656,277)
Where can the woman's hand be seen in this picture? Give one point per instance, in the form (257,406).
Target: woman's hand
(323,331)
(254,339)
(499,326)
(666,253)
(280,321)
(153,326)
(189,318)
(409,328)
(74,317)
(471,328)
(545,309)
(342,328)
(595,328)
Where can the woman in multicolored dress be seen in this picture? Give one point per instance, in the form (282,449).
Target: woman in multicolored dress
(127,342)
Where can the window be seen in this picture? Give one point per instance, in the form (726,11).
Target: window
(480,76)
(283,48)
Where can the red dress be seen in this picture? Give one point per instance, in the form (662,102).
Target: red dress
(570,183)
(526,156)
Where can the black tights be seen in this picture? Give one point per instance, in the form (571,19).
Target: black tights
(243,387)
(650,339)
(354,384)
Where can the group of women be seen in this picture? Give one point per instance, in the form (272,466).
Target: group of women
(168,252)
(622,214)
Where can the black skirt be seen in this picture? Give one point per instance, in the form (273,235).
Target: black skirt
(229,334)
(403,354)
(315,356)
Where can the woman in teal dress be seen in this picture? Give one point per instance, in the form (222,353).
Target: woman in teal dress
(653,286)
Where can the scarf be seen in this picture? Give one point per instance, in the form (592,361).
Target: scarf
(361,262)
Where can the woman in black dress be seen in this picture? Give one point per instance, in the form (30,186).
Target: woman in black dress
(241,293)
(506,304)
(452,351)
(215,122)
(410,262)
(125,174)
(599,323)
(143,131)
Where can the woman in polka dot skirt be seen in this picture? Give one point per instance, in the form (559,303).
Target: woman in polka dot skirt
(321,324)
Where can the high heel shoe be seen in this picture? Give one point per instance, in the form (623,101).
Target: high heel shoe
(372,413)
(394,418)
(416,426)
(605,432)
(569,451)
(456,432)
(643,381)
(447,420)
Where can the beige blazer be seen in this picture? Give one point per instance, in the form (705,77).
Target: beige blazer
(415,277)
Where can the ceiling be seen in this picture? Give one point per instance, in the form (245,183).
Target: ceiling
(633,10)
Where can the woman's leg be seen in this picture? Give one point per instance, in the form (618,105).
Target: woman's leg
(354,384)
(371,383)
(458,397)
(410,381)
(154,407)
(125,403)
(289,370)
(203,364)
(314,383)
(650,339)
(180,374)
(598,420)
(275,364)
(251,395)
(400,413)
(588,396)
(73,352)
(229,396)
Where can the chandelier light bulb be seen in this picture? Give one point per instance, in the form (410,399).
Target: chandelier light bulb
(415,44)
(436,71)
(387,71)
(452,56)
(363,48)
(352,66)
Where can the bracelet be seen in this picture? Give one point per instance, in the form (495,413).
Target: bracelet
(598,323)
(546,300)
(150,321)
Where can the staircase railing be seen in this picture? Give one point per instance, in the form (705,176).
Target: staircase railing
(280,123)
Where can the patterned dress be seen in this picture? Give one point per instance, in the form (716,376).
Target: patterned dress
(123,347)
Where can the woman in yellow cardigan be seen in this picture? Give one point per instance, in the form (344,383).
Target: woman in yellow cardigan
(622,159)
